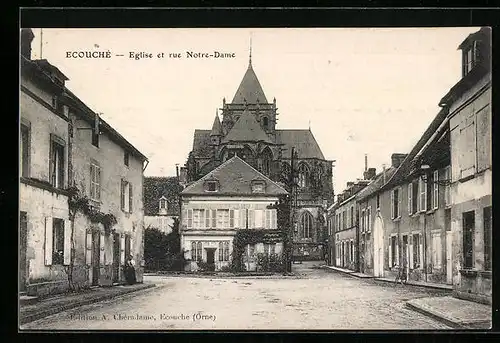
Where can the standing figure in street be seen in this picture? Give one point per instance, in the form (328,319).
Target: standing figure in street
(130,271)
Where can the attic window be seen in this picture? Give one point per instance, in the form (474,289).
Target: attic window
(471,57)
(258,186)
(211,186)
(163,205)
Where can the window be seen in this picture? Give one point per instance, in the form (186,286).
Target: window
(56,162)
(470,57)
(435,190)
(467,146)
(96,132)
(211,186)
(352,251)
(303,175)
(352,216)
(447,188)
(410,198)
(487,218)
(222,218)
(58,241)
(369,219)
(395,195)
(272,249)
(258,187)
(415,197)
(196,251)
(198,218)
(393,252)
(483,132)
(306,222)
(226,251)
(363,223)
(416,251)
(95,182)
(126,158)
(127,245)
(378,201)
(126,196)
(423,195)
(468,239)
(344,224)
(221,251)
(163,205)
(265,122)
(24,151)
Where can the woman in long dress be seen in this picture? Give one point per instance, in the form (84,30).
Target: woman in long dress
(130,271)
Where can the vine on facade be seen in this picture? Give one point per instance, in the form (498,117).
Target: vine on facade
(80,203)
(243,238)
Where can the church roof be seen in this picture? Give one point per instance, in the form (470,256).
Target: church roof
(247,129)
(249,89)
(216,127)
(235,177)
(302,140)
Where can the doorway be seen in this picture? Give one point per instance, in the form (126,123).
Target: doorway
(210,258)
(116,257)
(449,265)
(378,247)
(96,257)
(23,245)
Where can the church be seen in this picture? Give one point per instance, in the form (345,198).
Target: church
(247,129)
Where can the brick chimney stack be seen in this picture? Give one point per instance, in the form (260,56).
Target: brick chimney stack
(27,37)
(397,159)
(366,162)
(370,173)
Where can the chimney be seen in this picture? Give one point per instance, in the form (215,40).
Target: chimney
(177,171)
(27,37)
(366,162)
(370,173)
(397,159)
(350,184)
(383,172)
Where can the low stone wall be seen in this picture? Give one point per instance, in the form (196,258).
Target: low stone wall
(475,286)
(51,287)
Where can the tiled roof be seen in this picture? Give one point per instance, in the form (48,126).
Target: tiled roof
(249,89)
(235,177)
(216,127)
(303,140)
(156,187)
(201,143)
(247,129)
(375,184)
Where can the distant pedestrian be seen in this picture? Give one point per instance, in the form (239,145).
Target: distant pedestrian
(326,258)
(130,271)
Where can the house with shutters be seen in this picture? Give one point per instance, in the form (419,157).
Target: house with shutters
(229,198)
(64,145)
(249,130)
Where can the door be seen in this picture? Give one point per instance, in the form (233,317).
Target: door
(23,244)
(96,257)
(116,257)
(378,247)
(449,262)
(211,259)
(405,256)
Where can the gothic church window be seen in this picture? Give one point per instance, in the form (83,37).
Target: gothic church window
(303,175)
(306,222)
(265,122)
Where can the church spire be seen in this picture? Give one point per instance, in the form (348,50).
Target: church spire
(250,54)
(216,127)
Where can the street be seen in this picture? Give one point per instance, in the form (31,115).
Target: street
(317,300)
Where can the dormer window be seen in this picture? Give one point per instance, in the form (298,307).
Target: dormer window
(258,186)
(211,186)
(163,205)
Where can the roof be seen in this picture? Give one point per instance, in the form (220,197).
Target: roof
(154,188)
(247,129)
(46,65)
(201,143)
(375,184)
(235,177)
(303,140)
(216,127)
(483,33)
(250,88)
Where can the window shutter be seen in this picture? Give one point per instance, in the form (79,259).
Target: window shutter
(392,204)
(52,162)
(397,252)
(410,251)
(231,218)
(400,197)
(190,218)
(122,194)
(98,183)
(421,251)
(88,247)
(274,223)
(184,217)
(130,197)
(268,219)
(101,247)
(243,218)
(390,252)
(214,218)
(425,196)
(410,198)
(251,219)
(207,218)
(236,218)
(67,242)
(132,250)
(122,249)
(48,241)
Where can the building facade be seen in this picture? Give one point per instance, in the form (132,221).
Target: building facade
(64,147)
(248,130)
(470,120)
(161,202)
(234,196)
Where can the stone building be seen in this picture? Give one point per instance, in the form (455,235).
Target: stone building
(470,120)
(249,130)
(161,202)
(65,146)
(231,197)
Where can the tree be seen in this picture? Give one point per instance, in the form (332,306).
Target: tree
(163,251)
(283,207)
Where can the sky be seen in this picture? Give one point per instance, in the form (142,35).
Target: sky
(360,90)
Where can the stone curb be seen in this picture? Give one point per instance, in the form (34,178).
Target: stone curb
(444,289)
(48,312)
(457,324)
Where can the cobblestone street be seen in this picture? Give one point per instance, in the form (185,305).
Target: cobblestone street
(319,299)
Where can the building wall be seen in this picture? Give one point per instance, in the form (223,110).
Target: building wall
(162,223)
(210,237)
(346,233)
(110,157)
(471,191)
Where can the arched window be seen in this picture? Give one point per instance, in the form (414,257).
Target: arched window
(303,175)
(265,160)
(306,223)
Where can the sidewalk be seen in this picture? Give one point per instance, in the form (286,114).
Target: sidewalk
(454,312)
(420,284)
(348,271)
(59,303)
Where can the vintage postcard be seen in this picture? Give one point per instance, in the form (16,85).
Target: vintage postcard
(255,179)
